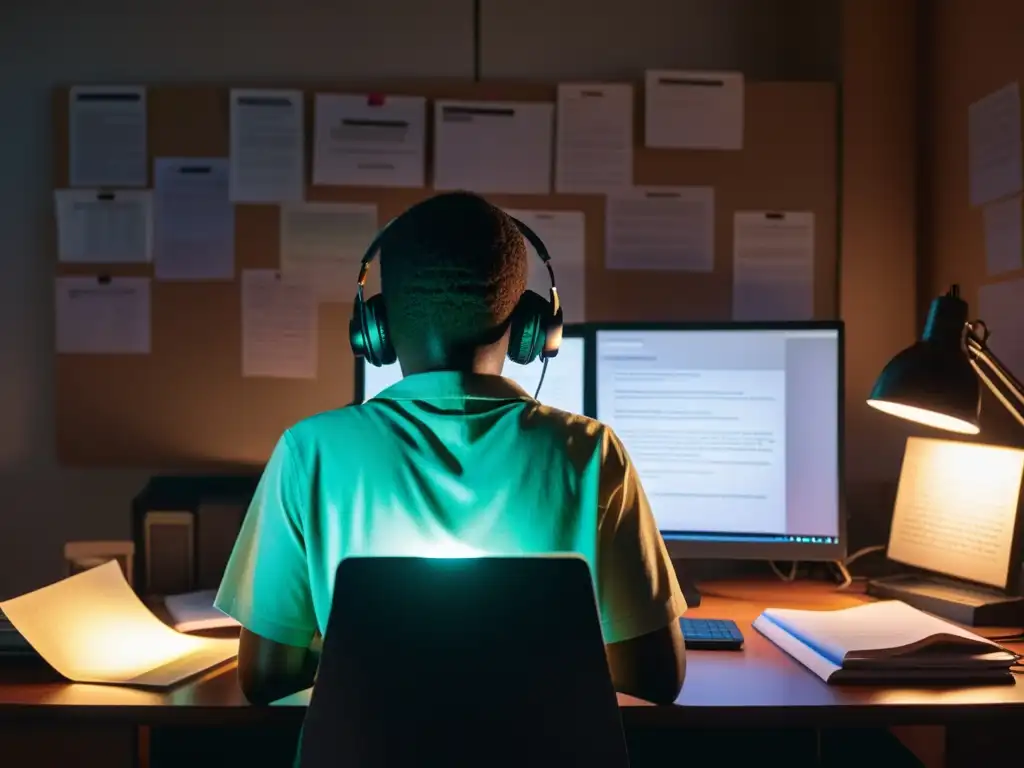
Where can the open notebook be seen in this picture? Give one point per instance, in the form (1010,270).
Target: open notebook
(92,628)
(194,612)
(884,642)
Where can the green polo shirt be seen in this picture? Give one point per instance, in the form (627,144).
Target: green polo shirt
(445,465)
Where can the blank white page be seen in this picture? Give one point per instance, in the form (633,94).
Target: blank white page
(956,508)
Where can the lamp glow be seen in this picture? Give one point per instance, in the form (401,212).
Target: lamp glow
(926,417)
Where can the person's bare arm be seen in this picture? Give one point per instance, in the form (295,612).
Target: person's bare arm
(652,666)
(268,671)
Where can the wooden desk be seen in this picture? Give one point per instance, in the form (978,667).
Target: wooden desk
(759,687)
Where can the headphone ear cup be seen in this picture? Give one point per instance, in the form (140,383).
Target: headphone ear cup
(378,338)
(526,329)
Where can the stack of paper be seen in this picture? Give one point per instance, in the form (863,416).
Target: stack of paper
(884,642)
(92,628)
(194,612)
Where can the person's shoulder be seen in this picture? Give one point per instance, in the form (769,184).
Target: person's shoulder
(581,430)
(331,425)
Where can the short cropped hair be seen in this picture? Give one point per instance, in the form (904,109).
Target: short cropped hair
(453,268)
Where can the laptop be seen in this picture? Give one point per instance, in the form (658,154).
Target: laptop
(495,661)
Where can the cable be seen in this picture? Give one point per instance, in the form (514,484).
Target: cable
(851,559)
(844,572)
(791,576)
(540,383)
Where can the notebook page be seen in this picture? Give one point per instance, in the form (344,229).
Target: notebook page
(92,628)
(874,629)
(955,509)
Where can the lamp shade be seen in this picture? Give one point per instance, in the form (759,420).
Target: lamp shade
(931,384)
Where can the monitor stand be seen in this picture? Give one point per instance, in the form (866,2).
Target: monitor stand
(690,590)
(964,603)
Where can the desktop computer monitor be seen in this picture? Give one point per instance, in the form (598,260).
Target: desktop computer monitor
(735,432)
(563,382)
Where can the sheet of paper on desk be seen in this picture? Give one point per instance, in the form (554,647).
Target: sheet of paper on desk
(370,141)
(323,244)
(194,219)
(1003,241)
(267,146)
(773,265)
(693,110)
(563,234)
(107,136)
(946,525)
(661,228)
(97,227)
(595,138)
(994,143)
(92,628)
(1001,307)
(493,146)
(103,316)
(279,326)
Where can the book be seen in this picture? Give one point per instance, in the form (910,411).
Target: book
(194,612)
(888,642)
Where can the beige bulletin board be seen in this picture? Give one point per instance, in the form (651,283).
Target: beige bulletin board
(186,405)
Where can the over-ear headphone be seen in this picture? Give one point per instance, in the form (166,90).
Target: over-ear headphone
(535,325)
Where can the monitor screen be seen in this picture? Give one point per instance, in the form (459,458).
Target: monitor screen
(563,382)
(734,433)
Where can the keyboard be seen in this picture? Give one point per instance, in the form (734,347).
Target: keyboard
(711,634)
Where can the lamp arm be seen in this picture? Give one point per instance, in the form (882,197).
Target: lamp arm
(985,363)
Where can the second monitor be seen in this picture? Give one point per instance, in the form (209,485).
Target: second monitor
(563,383)
(734,430)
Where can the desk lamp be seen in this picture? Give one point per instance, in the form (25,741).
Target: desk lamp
(936,382)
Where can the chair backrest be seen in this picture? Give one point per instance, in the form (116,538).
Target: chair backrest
(463,662)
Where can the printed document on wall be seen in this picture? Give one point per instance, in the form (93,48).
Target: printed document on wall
(1003,243)
(493,146)
(773,265)
(324,243)
(661,228)
(994,145)
(194,219)
(107,136)
(103,315)
(693,110)
(563,234)
(595,138)
(95,227)
(267,146)
(370,141)
(1001,307)
(279,326)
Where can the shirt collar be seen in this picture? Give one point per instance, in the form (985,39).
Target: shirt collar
(454,385)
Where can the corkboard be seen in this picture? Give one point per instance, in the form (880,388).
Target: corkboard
(187,406)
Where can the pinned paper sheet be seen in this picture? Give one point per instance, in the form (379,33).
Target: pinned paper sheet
(323,244)
(267,146)
(773,266)
(194,220)
(97,227)
(595,138)
(103,316)
(493,146)
(1003,243)
(661,228)
(1001,308)
(92,628)
(994,143)
(279,326)
(693,110)
(370,141)
(107,136)
(563,234)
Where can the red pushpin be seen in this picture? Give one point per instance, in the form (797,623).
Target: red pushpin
(375,100)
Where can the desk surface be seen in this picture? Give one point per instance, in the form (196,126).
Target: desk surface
(757,687)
